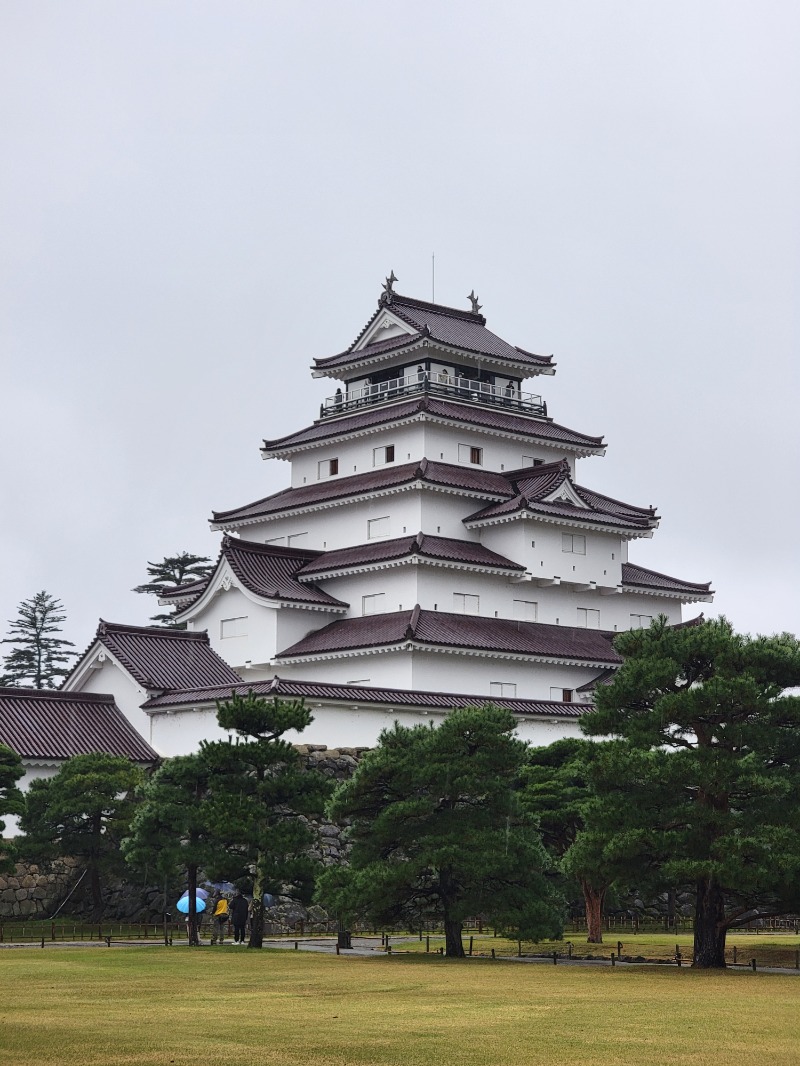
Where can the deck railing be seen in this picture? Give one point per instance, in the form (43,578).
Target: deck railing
(442,384)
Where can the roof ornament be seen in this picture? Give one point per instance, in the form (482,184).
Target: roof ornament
(388,289)
(473,299)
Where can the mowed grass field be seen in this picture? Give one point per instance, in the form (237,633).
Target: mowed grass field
(188,1007)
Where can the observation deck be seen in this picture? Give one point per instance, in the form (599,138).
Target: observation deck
(455,388)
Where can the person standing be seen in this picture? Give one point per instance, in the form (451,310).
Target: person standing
(239,908)
(219,919)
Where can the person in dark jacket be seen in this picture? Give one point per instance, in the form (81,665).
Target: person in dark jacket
(239,908)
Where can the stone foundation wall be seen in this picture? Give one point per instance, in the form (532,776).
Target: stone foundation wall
(35,891)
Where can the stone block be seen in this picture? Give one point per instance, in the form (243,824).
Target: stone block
(21,893)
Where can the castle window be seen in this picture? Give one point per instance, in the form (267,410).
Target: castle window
(327,468)
(377,527)
(563,695)
(381,456)
(529,460)
(526,610)
(468,454)
(641,621)
(505,689)
(296,540)
(233,627)
(588,619)
(574,543)
(465,603)
(373,604)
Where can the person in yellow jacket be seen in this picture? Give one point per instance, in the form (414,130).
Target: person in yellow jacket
(220,915)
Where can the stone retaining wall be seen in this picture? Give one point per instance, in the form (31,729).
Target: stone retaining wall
(37,890)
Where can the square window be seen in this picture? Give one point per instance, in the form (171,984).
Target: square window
(505,689)
(466,603)
(588,618)
(378,527)
(373,604)
(327,467)
(574,543)
(233,627)
(297,540)
(383,455)
(562,695)
(641,621)
(468,454)
(526,610)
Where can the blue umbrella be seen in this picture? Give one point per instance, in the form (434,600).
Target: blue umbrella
(183,905)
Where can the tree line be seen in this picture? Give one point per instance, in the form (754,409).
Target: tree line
(691,779)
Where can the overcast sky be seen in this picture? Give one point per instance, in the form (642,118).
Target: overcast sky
(199,198)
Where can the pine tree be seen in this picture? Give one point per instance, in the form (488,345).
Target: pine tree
(82,811)
(40,656)
(264,797)
(179,826)
(171,573)
(701,784)
(11,801)
(438,832)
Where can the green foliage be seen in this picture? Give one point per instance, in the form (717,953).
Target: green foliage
(11,800)
(265,796)
(84,812)
(437,830)
(179,826)
(701,784)
(169,574)
(39,657)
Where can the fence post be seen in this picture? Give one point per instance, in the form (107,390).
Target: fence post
(619,948)
(555,958)
(613,962)
(734,954)
(470,944)
(796,958)
(569,948)
(753,964)
(494,956)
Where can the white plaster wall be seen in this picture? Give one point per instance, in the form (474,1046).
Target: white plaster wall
(109,679)
(382,669)
(257,645)
(180,733)
(342,525)
(33,772)
(357,456)
(473,675)
(539,547)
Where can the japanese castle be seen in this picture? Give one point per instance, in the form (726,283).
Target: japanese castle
(435,548)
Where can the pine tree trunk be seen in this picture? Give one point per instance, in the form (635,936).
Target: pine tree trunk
(97,895)
(257,909)
(191,882)
(593,901)
(710,929)
(454,947)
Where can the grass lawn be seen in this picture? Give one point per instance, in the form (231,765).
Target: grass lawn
(185,1007)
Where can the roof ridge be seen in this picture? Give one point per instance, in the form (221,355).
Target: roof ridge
(109,628)
(439,309)
(668,577)
(55,693)
(257,548)
(411,628)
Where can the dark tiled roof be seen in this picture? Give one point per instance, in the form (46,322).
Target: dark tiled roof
(491,419)
(40,724)
(469,480)
(160,658)
(440,629)
(311,690)
(270,571)
(447,325)
(639,577)
(533,485)
(188,591)
(444,549)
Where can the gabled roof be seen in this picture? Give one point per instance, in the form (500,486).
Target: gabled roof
(367,694)
(442,550)
(470,481)
(42,724)
(548,492)
(638,577)
(159,658)
(495,421)
(448,326)
(269,571)
(438,630)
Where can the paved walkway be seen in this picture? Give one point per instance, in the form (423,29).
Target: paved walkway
(370,947)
